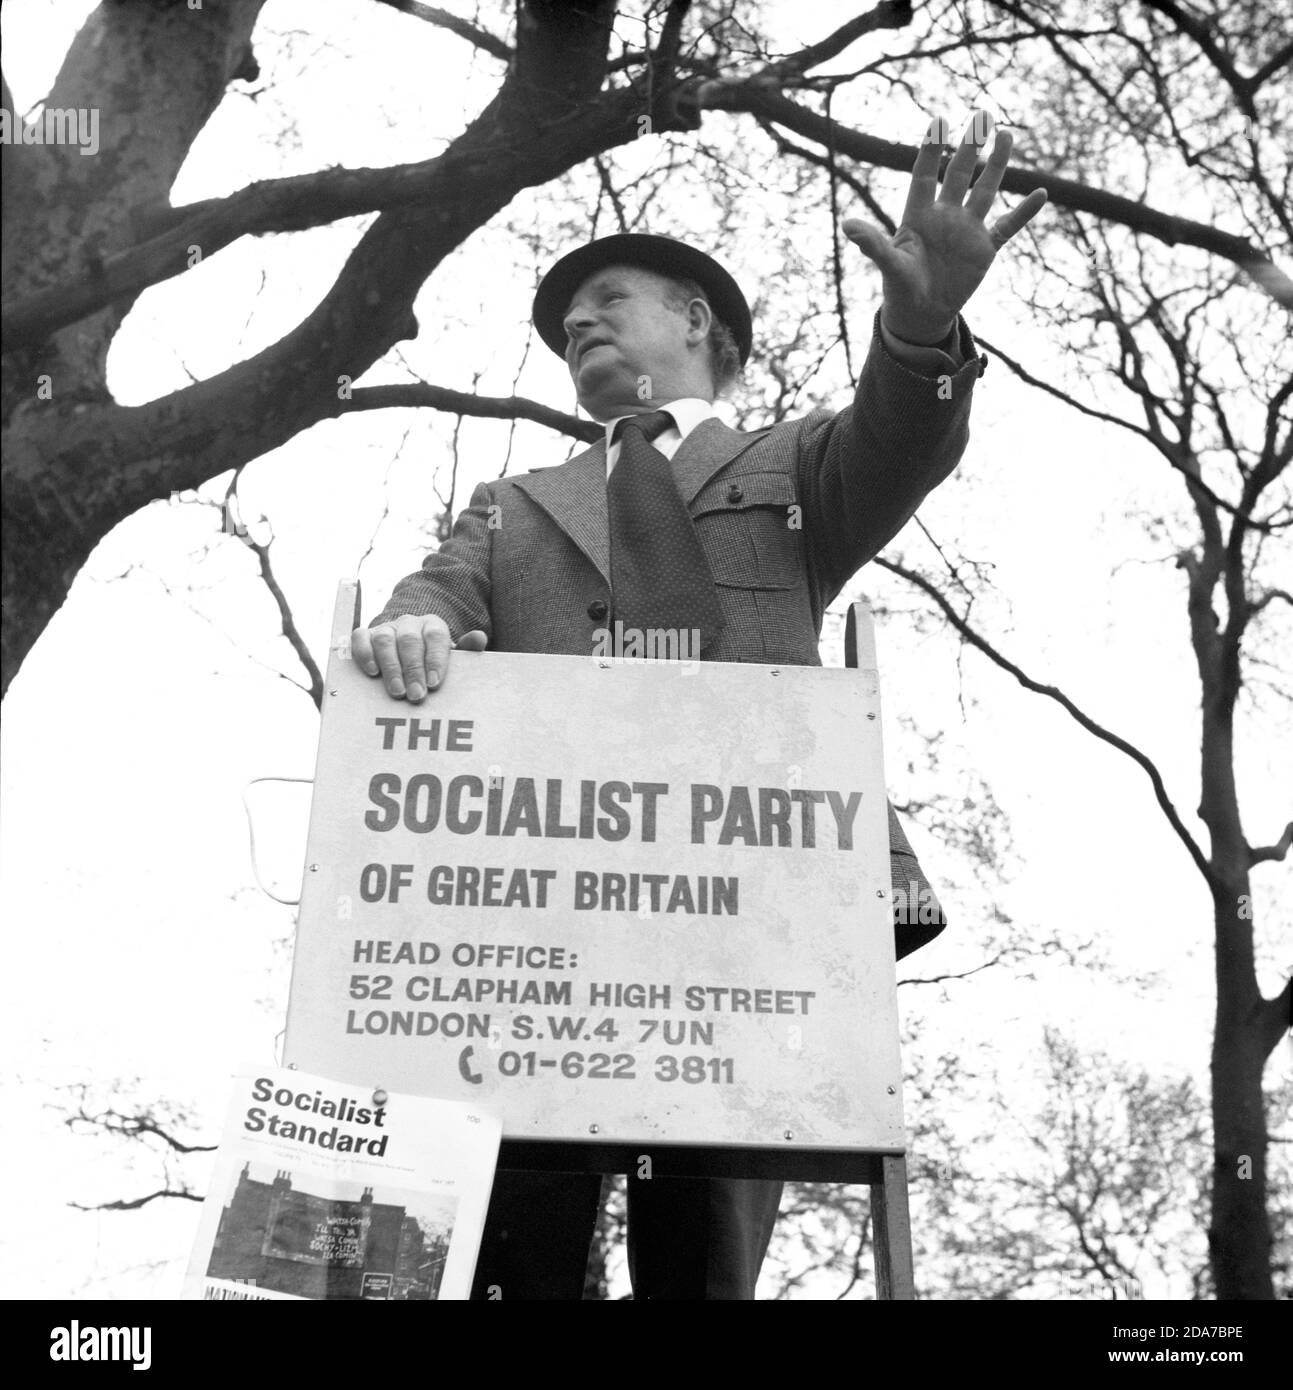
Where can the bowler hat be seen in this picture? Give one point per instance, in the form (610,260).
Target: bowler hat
(662,254)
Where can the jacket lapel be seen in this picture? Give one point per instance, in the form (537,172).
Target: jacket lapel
(574,494)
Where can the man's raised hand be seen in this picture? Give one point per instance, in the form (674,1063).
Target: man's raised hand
(942,250)
(410,654)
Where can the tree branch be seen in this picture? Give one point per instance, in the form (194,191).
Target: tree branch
(757,99)
(184,236)
(863,193)
(422,394)
(1052,693)
(433,14)
(1280,59)
(178,238)
(1201,33)
(837,261)
(888,14)
(612,193)
(958,975)
(136,1126)
(1276,1015)
(1266,853)
(311,200)
(561,50)
(1157,441)
(1269,597)
(182,439)
(233,525)
(122,1204)
(665,54)
(75,468)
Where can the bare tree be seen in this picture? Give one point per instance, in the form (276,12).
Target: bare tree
(76,463)
(1191,364)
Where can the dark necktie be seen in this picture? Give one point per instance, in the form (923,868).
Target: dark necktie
(659,575)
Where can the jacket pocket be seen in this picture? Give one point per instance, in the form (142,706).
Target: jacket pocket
(749,525)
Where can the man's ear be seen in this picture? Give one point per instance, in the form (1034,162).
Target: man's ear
(700,317)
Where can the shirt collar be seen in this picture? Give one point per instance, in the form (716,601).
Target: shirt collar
(688,412)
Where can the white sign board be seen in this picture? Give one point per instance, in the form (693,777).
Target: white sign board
(611,900)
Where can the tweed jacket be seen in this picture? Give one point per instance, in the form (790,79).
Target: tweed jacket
(786,516)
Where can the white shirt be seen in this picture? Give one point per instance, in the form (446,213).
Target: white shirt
(687,414)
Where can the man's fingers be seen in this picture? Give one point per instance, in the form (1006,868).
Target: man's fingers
(361,650)
(434,645)
(1005,227)
(985,190)
(473,641)
(387,658)
(410,654)
(871,241)
(924,173)
(960,169)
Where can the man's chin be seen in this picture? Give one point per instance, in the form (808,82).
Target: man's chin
(600,412)
(604,397)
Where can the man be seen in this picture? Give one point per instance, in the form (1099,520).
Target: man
(736,542)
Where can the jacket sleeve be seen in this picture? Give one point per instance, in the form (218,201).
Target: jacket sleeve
(453,581)
(862,473)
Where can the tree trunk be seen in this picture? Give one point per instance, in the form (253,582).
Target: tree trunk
(1239,1236)
(144,80)
(1247,1026)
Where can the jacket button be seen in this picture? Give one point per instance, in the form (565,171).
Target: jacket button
(734,493)
(597,609)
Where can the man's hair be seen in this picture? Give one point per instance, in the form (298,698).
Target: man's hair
(724,355)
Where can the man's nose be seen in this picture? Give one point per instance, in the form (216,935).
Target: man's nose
(578,318)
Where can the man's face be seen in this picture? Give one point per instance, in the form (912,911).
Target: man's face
(627,349)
